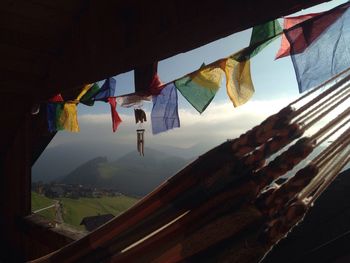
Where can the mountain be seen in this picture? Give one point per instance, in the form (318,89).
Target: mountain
(60,160)
(57,161)
(131,174)
(87,174)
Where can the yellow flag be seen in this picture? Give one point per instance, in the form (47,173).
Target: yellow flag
(209,77)
(239,83)
(83,91)
(68,118)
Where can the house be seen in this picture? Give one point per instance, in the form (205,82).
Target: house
(93,222)
(54,191)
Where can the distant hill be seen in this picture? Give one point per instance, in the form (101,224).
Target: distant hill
(58,161)
(131,174)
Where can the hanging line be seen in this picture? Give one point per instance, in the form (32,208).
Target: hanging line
(317,108)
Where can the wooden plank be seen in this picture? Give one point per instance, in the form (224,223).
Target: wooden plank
(8,75)
(15,52)
(143,77)
(123,44)
(48,28)
(31,41)
(15,87)
(63,6)
(38,11)
(34,68)
(15,188)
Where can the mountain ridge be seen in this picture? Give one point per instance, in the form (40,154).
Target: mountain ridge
(131,174)
(60,160)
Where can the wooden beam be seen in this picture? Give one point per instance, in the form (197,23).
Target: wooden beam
(15,176)
(35,10)
(31,41)
(44,237)
(50,28)
(138,33)
(143,76)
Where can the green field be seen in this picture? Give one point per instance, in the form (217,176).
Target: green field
(76,209)
(40,201)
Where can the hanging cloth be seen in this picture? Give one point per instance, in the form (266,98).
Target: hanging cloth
(85,89)
(239,85)
(199,88)
(319,47)
(88,97)
(164,115)
(68,117)
(116,120)
(53,110)
(51,117)
(289,22)
(56,98)
(95,92)
(262,36)
(107,90)
(132,100)
(156,85)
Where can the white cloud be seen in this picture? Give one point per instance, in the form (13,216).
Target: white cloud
(218,123)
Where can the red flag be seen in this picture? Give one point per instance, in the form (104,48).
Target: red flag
(56,98)
(116,120)
(288,23)
(156,85)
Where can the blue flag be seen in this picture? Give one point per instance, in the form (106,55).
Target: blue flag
(51,117)
(107,90)
(320,47)
(164,113)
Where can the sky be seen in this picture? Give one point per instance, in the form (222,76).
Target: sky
(274,82)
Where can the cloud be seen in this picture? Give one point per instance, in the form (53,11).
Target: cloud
(221,121)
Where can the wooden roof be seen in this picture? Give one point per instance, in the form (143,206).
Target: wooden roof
(50,46)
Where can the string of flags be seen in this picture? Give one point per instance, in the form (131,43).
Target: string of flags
(317,44)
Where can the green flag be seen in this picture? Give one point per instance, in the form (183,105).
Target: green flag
(262,36)
(88,97)
(199,88)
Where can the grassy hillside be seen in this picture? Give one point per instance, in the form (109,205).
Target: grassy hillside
(40,201)
(76,209)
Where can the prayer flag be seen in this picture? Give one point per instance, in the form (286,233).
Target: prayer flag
(107,90)
(59,112)
(95,92)
(51,117)
(56,98)
(88,97)
(262,36)
(164,115)
(68,118)
(319,47)
(199,88)
(116,120)
(54,111)
(289,22)
(132,100)
(85,89)
(239,85)
(156,85)
(54,108)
